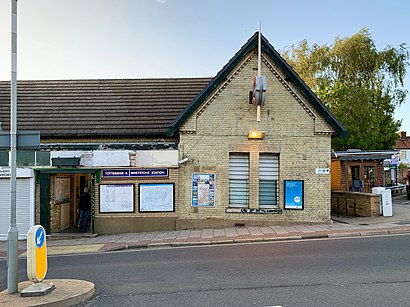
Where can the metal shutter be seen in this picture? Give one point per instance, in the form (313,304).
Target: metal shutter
(239,180)
(268,180)
(24,207)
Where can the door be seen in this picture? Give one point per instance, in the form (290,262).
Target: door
(356,184)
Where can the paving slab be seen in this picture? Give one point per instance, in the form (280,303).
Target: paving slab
(231,232)
(194,234)
(219,233)
(207,233)
(279,230)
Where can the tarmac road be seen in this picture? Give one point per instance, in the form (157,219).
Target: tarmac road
(360,271)
(341,228)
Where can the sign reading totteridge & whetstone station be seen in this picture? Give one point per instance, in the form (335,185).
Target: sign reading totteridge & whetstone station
(37,262)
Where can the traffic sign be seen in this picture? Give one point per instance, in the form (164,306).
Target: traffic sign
(40,237)
(36,254)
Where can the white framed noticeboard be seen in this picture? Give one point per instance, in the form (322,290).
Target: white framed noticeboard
(156,197)
(116,198)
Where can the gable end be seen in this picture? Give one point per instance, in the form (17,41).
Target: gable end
(282,65)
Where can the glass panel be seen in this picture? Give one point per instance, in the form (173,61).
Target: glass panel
(4,158)
(238,193)
(239,166)
(355,172)
(268,193)
(239,180)
(42,158)
(25,158)
(369,175)
(268,180)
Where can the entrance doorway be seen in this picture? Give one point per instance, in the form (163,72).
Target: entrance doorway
(62,202)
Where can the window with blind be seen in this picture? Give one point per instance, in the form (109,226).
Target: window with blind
(268,180)
(239,180)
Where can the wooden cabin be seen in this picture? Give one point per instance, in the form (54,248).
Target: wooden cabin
(358,171)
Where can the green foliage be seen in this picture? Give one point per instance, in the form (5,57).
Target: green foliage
(359,84)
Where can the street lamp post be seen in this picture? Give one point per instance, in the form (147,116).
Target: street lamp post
(12,238)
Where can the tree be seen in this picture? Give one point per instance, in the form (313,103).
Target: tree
(359,84)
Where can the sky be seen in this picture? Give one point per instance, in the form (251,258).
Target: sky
(96,39)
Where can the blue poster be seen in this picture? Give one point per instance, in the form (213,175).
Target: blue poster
(294,194)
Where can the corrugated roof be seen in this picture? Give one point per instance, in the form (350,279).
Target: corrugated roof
(99,108)
(358,155)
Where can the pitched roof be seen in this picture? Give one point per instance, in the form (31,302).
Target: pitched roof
(249,47)
(99,108)
(403,143)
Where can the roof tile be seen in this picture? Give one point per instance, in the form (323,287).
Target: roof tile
(99,108)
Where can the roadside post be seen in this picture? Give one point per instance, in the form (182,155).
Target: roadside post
(37,262)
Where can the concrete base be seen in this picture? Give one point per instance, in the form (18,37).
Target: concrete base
(38,289)
(67,292)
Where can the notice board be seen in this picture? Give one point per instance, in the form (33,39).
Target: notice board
(156,197)
(116,198)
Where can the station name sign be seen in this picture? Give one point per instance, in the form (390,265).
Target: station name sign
(135,173)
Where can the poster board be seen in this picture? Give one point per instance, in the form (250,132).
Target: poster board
(294,194)
(203,190)
(156,197)
(116,198)
(62,190)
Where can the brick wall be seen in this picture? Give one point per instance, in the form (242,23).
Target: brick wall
(294,131)
(355,204)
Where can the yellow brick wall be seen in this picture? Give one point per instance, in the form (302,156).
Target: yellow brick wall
(294,130)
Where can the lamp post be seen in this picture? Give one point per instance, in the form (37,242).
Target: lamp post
(12,237)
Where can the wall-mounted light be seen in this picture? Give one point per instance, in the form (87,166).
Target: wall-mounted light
(258,135)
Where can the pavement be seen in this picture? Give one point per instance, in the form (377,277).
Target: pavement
(340,227)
